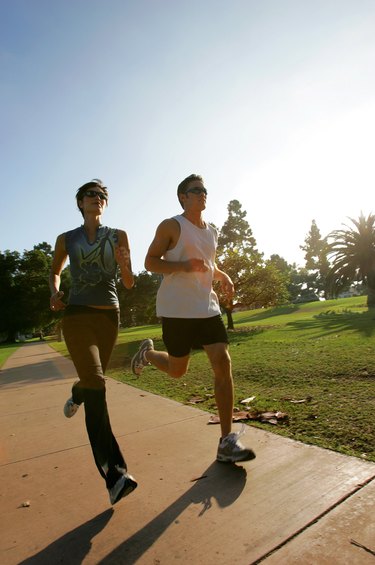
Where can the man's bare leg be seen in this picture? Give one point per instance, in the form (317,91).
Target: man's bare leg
(219,357)
(174,366)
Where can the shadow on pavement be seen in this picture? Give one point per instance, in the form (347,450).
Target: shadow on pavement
(221,482)
(42,372)
(73,547)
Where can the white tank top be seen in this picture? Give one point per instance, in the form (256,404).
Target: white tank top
(190,295)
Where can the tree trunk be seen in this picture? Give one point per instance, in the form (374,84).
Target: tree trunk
(59,331)
(230,325)
(370,296)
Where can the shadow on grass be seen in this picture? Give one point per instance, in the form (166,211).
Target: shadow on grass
(236,336)
(330,322)
(271,313)
(123,352)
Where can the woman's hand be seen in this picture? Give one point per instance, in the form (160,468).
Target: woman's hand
(55,301)
(122,256)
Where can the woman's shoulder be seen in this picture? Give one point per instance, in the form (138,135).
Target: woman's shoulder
(74,230)
(70,234)
(120,235)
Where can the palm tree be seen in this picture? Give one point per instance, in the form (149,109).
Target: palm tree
(352,252)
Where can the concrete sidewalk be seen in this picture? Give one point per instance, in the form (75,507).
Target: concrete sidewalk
(293,504)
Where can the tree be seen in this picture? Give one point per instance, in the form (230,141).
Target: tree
(137,306)
(24,291)
(236,233)
(9,295)
(256,283)
(352,251)
(32,281)
(264,286)
(235,265)
(316,262)
(293,279)
(236,253)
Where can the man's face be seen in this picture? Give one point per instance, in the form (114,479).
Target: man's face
(195,196)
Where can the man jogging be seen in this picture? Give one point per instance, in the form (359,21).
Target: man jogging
(183,251)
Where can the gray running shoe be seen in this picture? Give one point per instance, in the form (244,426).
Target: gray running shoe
(124,486)
(231,450)
(139,361)
(70,408)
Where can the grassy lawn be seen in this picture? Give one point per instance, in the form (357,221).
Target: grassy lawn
(6,351)
(320,353)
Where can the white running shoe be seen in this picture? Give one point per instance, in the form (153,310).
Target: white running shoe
(231,450)
(139,361)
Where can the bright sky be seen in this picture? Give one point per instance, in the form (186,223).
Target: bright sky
(272,101)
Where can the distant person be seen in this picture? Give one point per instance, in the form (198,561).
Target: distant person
(183,251)
(91,321)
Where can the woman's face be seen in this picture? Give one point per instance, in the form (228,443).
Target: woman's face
(94,200)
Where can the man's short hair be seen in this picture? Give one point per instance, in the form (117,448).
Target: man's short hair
(183,186)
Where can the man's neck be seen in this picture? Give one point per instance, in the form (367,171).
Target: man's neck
(195,218)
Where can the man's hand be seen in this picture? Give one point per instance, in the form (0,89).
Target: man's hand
(195,266)
(227,285)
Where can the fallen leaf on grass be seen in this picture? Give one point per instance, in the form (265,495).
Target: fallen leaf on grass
(248,400)
(196,400)
(272,417)
(264,417)
(242,415)
(293,401)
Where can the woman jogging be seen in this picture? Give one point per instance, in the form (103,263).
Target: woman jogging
(90,323)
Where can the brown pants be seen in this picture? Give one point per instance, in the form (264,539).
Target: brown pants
(90,335)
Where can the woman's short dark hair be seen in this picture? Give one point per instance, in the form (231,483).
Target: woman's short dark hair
(183,186)
(94,183)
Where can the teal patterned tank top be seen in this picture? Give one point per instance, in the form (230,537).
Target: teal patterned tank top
(93,267)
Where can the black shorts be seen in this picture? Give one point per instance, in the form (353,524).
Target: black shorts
(181,335)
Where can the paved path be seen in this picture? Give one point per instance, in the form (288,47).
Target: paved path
(293,504)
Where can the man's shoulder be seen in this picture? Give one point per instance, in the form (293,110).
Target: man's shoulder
(170,223)
(212,227)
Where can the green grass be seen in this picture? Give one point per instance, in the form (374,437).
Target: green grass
(6,351)
(321,352)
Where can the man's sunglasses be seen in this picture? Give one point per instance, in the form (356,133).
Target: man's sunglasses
(197,190)
(94,193)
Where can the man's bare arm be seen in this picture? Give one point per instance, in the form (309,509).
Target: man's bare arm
(166,238)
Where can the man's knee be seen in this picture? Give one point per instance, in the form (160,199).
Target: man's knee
(221,358)
(177,372)
(178,366)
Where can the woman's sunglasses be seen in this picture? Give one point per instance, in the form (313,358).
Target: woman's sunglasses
(93,193)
